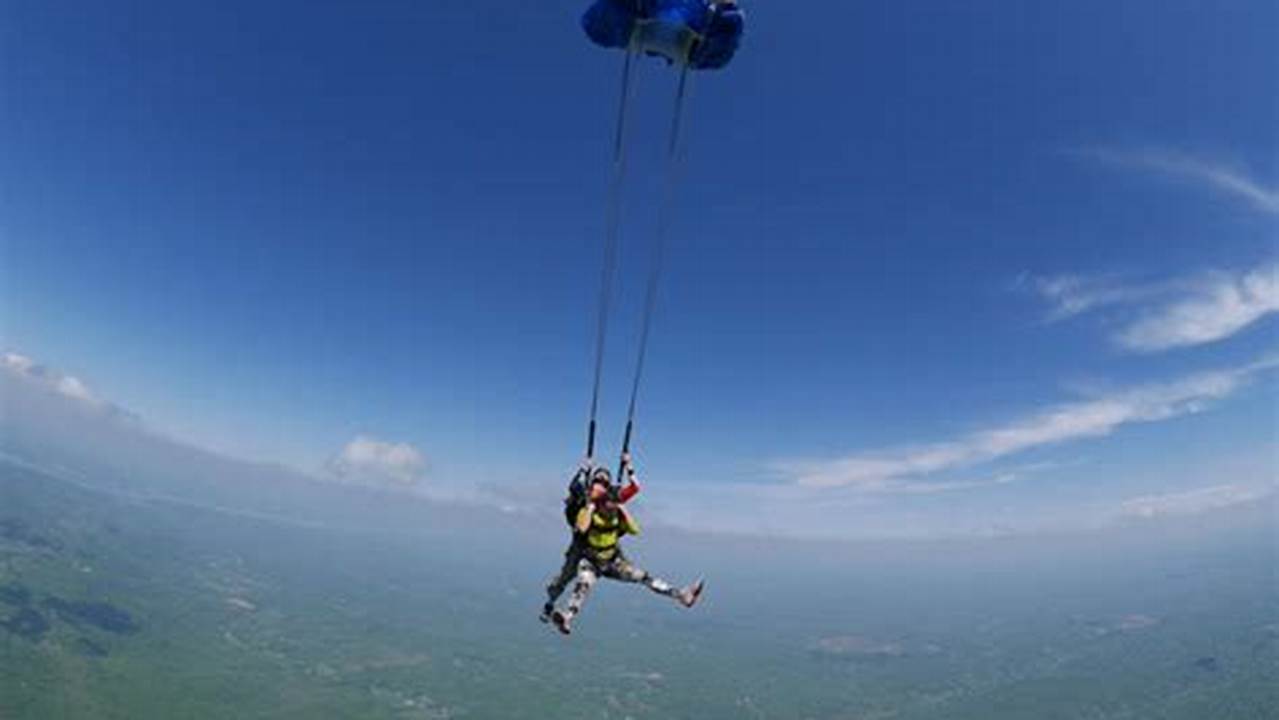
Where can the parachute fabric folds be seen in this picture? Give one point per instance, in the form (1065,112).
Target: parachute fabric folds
(703,33)
(609,23)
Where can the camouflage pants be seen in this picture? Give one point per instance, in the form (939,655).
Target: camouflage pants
(618,568)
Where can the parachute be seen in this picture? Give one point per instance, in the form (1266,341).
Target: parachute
(694,35)
(704,34)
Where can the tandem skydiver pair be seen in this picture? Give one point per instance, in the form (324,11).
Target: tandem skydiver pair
(599,521)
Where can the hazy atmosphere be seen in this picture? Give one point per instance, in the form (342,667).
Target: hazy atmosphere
(961,390)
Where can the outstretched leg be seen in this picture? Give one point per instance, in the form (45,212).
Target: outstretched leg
(623,570)
(586,577)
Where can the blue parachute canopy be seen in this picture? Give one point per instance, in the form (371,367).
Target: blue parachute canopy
(705,32)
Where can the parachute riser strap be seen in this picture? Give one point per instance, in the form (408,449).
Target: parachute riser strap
(612,230)
(626,449)
(659,251)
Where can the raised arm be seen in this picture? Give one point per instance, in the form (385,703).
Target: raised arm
(632,486)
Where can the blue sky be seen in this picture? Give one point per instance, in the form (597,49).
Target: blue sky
(904,229)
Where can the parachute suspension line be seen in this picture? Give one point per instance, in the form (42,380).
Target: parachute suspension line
(674,159)
(612,231)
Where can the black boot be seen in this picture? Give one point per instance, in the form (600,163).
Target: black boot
(561,620)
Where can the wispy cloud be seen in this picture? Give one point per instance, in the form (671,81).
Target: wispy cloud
(1193,502)
(904,487)
(892,470)
(1218,308)
(1167,314)
(1222,178)
(369,461)
(1071,295)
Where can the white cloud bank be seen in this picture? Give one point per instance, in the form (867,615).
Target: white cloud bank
(1169,314)
(893,470)
(363,461)
(369,461)
(65,385)
(1193,502)
(1217,176)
